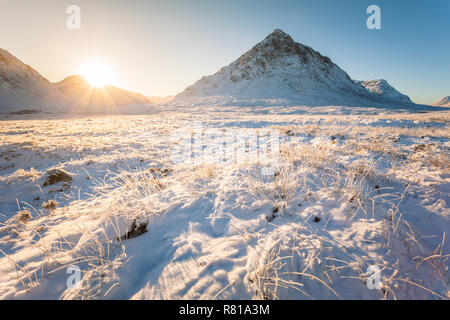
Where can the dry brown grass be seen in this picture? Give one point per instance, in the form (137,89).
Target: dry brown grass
(50,206)
(23,216)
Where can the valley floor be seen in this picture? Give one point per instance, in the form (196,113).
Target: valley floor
(349,194)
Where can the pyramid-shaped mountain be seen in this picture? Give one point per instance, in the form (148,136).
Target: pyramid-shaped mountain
(278,68)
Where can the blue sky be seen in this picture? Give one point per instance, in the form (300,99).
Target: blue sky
(160,47)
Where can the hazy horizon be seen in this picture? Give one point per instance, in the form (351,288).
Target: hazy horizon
(158,48)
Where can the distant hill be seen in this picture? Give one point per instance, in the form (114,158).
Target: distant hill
(79,92)
(384,90)
(444,102)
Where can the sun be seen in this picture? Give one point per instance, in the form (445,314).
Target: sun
(98,74)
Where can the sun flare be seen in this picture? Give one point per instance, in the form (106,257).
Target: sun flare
(98,74)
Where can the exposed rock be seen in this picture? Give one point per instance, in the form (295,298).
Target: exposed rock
(136,229)
(55,176)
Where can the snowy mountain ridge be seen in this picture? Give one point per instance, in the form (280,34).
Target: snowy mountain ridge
(23,87)
(17,75)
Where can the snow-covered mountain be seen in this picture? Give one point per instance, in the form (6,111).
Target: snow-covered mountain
(384,90)
(22,87)
(17,75)
(444,102)
(280,69)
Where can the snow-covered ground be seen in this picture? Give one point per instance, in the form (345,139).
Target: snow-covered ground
(349,191)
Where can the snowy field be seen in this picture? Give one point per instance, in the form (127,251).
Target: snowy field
(348,193)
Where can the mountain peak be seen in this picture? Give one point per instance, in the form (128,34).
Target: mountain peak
(280,35)
(277,44)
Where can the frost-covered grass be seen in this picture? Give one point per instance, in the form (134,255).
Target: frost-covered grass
(351,191)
